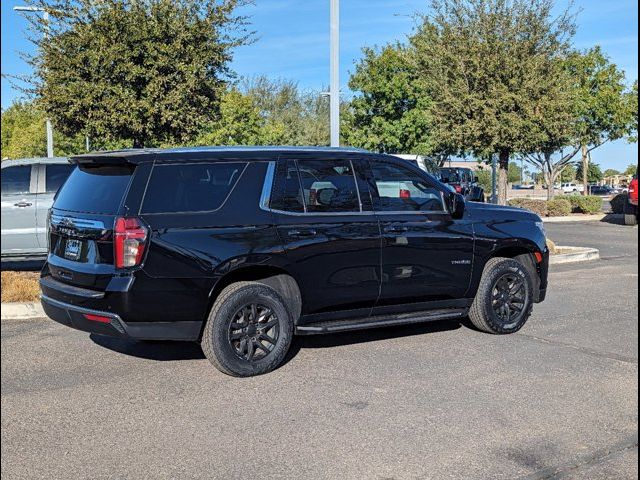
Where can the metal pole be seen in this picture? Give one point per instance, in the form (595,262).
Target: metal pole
(334,83)
(494,179)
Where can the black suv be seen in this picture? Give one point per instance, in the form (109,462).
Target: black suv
(241,248)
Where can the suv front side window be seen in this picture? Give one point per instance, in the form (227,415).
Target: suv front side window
(400,189)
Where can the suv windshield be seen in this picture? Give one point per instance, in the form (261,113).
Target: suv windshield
(95,189)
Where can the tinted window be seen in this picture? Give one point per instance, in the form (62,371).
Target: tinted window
(288,191)
(328,186)
(400,189)
(56,176)
(450,175)
(95,189)
(16,179)
(190,187)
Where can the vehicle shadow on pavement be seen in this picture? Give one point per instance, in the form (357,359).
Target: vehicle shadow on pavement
(151,350)
(613,218)
(175,351)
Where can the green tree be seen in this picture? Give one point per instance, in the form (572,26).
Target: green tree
(611,172)
(492,71)
(24,133)
(631,169)
(240,123)
(514,174)
(594,173)
(604,106)
(390,112)
(148,72)
(568,174)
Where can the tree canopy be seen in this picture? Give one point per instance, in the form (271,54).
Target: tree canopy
(493,73)
(149,72)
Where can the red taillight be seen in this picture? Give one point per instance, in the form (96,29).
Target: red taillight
(405,193)
(129,237)
(97,318)
(539,257)
(458,188)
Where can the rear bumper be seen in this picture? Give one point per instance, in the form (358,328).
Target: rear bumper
(112,325)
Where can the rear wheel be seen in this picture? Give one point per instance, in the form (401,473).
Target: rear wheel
(504,299)
(630,214)
(249,330)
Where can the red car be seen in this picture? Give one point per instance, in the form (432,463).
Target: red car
(631,208)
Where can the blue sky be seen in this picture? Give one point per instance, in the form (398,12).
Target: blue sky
(292,42)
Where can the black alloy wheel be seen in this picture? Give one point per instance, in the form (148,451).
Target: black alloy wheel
(254,332)
(508,299)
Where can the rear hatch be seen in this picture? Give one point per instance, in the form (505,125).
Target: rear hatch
(81,224)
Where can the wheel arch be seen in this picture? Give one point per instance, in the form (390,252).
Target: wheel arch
(275,277)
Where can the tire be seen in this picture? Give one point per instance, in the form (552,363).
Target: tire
(630,214)
(222,339)
(484,316)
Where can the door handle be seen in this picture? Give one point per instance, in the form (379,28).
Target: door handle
(22,204)
(395,229)
(302,233)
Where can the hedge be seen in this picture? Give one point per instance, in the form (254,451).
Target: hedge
(559,207)
(585,204)
(536,206)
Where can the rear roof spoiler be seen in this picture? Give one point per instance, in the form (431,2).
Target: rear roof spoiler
(117,157)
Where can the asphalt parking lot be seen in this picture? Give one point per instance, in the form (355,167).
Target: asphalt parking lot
(441,400)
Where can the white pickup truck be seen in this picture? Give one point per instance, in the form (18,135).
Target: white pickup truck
(572,187)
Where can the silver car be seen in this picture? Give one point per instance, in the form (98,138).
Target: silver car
(28,188)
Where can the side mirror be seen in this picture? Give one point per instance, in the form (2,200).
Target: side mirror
(476,179)
(456,205)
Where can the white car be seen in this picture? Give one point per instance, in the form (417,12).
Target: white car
(572,187)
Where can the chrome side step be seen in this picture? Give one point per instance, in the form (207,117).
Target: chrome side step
(380,321)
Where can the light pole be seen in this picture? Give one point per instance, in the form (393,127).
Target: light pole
(45,17)
(334,81)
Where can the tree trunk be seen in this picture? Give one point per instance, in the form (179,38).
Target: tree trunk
(503,179)
(550,180)
(585,169)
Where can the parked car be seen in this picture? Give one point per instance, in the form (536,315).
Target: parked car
(464,182)
(572,187)
(601,190)
(28,188)
(230,247)
(631,207)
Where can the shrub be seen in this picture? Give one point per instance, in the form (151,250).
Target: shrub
(551,245)
(559,207)
(585,204)
(618,203)
(536,206)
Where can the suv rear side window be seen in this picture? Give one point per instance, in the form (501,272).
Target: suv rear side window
(328,186)
(16,180)
(56,175)
(193,187)
(400,189)
(95,189)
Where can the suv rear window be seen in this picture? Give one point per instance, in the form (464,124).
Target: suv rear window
(95,189)
(195,187)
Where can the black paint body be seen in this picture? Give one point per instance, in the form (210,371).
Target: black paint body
(345,265)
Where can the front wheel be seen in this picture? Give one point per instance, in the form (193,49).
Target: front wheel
(504,299)
(249,330)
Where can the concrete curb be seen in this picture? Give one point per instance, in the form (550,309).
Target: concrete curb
(22,310)
(574,254)
(581,218)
